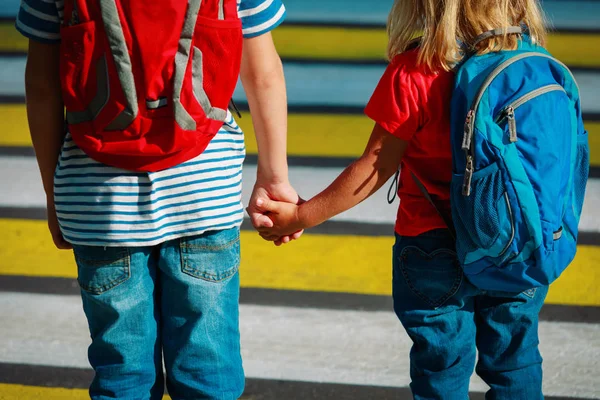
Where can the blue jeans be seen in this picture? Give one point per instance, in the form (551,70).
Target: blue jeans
(177,300)
(448,319)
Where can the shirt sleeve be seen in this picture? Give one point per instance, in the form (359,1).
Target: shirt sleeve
(394,104)
(39,20)
(260,16)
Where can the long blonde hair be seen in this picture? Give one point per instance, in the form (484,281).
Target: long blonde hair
(444,24)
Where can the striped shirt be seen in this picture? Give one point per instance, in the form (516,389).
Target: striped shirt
(101,205)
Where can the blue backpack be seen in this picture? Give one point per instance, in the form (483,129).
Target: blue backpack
(520,167)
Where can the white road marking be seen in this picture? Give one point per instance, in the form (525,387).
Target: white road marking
(26,191)
(347,347)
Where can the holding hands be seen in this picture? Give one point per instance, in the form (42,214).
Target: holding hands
(279,215)
(284,217)
(267,201)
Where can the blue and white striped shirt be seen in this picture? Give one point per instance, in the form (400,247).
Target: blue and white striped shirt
(105,206)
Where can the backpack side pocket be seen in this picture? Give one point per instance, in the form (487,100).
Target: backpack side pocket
(485,219)
(581,172)
(77,65)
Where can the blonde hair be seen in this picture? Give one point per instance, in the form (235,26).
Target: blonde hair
(444,24)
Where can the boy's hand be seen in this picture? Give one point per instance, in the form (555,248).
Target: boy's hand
(265,192)
(57,237)
(284,219)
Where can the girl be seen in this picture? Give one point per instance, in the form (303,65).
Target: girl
(446,317)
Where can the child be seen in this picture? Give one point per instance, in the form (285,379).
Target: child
(157,252)
(446,317)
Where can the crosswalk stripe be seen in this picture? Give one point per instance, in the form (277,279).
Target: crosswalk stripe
(10,39)
(21,392)
(562,14)
(318,342)
(293,298)
(25,195)
(355,43)
(342,135)
(256,389)
(323,87)
(324,263)
(369,44)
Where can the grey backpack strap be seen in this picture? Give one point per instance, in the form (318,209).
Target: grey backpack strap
(447,219)
(495,32)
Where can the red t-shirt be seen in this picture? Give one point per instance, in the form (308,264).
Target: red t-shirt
(413,104)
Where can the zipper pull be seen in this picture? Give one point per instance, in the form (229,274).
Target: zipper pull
(466,189)
(74,15)
(467,135)
(512,124)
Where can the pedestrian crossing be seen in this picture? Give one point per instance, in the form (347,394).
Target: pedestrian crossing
(279,344)
(316,315)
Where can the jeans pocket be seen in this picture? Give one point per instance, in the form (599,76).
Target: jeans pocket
(100,269)
(434,277)
(213,256)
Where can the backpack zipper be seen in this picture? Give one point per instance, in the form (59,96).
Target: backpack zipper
(468,137)
(508,112)
(74,15)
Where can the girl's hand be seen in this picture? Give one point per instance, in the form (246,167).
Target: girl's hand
(267,191)
(284,219)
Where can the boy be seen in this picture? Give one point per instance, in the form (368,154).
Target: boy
(158,252)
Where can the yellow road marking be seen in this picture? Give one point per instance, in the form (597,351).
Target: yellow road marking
(14,125)
(331,42)
(319,135)
(308,134)
(11,39)
(326,263)
(21,392)
(578,50)
(363,43)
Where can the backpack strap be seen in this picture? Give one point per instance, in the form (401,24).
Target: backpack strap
(447,220)
(511,30)
(393,189)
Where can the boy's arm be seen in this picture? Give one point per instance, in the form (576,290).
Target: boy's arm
(45,114)
(264,83)
(356,183)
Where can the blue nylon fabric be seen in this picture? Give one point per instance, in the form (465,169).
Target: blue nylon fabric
(522,193)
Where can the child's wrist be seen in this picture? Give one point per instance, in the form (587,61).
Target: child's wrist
(303,216)
(272,176)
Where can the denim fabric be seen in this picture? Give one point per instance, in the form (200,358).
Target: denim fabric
(449,320)
(177,301)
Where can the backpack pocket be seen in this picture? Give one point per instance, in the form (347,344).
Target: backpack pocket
(77,65)
(581,173)
(484,220)
(216,61)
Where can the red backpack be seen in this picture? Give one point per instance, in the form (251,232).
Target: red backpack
(146,84)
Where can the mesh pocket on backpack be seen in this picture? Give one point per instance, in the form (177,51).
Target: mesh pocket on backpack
(581,172)
(484,217)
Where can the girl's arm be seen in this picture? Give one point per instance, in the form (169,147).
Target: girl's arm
(360,180)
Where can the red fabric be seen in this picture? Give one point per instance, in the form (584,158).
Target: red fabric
(413,104)
(154,140)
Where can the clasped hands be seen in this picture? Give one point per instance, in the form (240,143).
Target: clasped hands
(273,210)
